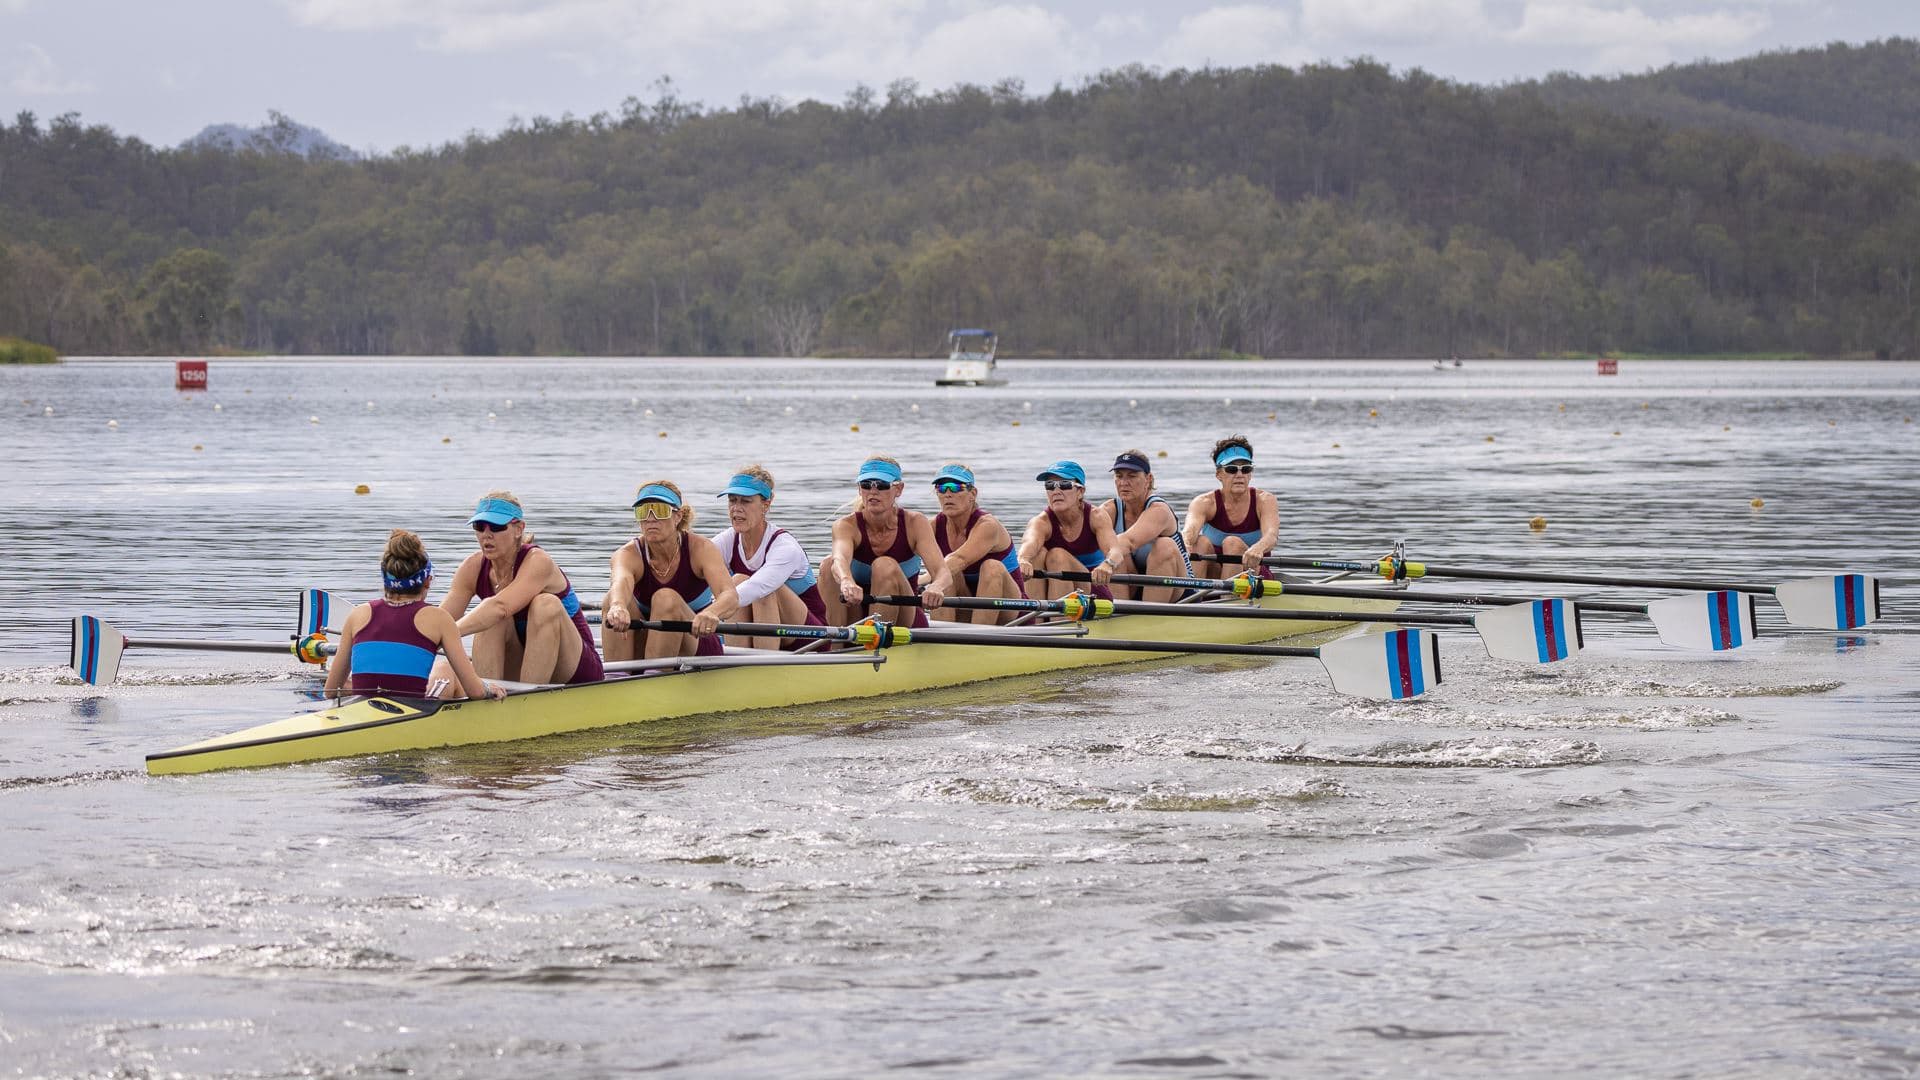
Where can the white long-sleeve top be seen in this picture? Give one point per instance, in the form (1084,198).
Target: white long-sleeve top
(779,560)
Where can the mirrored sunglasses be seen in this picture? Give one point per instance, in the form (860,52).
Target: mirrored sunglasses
(948,487)
(1058,485)
(654,511)
(490,527)
(875,485)
(1236,470)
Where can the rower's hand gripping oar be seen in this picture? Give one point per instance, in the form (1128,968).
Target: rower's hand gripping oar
(1526,632)
(1391,666)
(1826,602)
(1532,632)
(97,648)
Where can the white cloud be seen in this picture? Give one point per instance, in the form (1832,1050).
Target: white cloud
(39,76)
(1623,38)
(14,7)
(1397,22)
(1234,36)
(983,47)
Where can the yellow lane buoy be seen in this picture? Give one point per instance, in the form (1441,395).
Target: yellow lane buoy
(853,427)
(663,434)
(446,438)
(1336,446)
(1163,453)
(362,489)
(1373,412)
(197,446)
(1757,503)
(1616,434)
(1016,423)
(1489,438)
(1537,524)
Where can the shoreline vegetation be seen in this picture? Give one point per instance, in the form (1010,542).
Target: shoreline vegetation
(17,351)
(930,359)
(1325,211)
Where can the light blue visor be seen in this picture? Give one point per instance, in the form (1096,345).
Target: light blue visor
(879,470)
(959,473)
(494,512)
(1064,470)
(1232,453)
(657,493)
(745,484)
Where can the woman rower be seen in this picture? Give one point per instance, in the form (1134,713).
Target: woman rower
(981,559)
(528,622)
(388,646)
(772,576)
(879,549)
(1071,534)
(1152,543)
(666,573)
(1236,521)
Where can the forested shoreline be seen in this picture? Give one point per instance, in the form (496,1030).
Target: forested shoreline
(1329,211)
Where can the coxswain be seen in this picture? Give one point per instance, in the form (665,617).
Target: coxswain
(980,554)
(528,625)
(389,646)
(666,573)
(1070,535)
(882,547)
(772,576)
(1236,521)
(1146,530)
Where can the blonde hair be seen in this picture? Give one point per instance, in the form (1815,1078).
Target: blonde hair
(405,556)
(685,524)
(526,535)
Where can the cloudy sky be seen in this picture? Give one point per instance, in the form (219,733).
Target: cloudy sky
(377,74)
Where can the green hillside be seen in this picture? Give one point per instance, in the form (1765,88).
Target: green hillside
(1325,211)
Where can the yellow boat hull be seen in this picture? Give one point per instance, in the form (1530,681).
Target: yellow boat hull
(382,725)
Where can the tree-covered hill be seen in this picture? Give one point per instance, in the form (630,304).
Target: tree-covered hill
(1324,211)
(1851,99)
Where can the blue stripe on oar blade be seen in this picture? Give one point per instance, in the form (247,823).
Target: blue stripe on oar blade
(86,646)
(1837,602)
(1534,632)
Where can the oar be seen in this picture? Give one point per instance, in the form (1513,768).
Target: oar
(1390,666)
(1827,602)
(1717,621)
(97,648)
(1530,632)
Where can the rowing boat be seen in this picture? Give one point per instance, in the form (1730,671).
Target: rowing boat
(732,683)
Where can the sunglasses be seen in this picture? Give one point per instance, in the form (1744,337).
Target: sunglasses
(1058,485)
(489,527)
(1237,470)
(948,487)
(654,511)
(875,485)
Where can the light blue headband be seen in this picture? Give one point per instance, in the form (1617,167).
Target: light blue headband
(875,469)
(657,493)
(747,484)
(1233,453)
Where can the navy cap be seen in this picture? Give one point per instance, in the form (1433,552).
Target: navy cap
(1131,462)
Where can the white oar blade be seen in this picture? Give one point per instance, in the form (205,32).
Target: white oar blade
(1391,666)
(320,610)
(1839,602)
(96,650)
(1713,620)
(1536,632)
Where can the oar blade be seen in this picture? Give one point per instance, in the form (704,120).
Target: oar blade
(1392,666)
(1711,620)
(96,650)
(1536,632)
(320,610)
(1836,602)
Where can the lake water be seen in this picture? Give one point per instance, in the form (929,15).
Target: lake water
(1642,862)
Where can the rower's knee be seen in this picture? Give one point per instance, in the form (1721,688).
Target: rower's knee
(546,609)
(1233,545)
(889,577)
(668,604)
